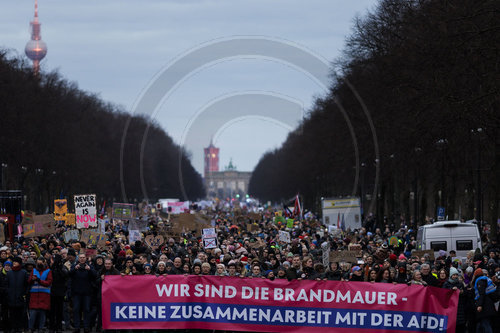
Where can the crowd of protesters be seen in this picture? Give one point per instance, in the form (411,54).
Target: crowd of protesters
(48,284)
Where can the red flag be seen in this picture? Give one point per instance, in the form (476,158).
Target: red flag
(297,210)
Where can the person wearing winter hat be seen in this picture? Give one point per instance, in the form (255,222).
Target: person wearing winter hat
(454,283)
(402,257)
(485,308)
(40,281)
(16,285)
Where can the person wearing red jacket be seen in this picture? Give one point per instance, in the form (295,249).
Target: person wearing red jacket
(39,281)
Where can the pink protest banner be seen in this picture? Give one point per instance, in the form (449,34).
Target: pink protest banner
(235,304)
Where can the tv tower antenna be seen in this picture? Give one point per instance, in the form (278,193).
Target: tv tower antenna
(36,49)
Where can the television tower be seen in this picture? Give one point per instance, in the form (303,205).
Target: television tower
(36,49)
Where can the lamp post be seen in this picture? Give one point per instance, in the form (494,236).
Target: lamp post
(479,200)
(418,150)
(2,181)
(441,145)
(362,189)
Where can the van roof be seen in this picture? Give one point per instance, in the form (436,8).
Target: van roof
(449,224)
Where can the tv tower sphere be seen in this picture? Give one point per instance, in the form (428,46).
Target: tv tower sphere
(36,49)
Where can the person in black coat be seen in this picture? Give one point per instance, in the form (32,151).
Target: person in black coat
(57,292)
(485,308)
(82,278)
(454,283)
(17,288)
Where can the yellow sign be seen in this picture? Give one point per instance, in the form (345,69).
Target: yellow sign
(60,209)
(70,219)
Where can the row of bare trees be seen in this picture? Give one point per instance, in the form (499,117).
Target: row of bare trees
(411,121)
(57,140)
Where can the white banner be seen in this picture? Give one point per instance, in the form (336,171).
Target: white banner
(85,211)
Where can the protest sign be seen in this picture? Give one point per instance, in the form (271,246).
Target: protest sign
(209,233)
(28,230)
(284,236)
(122,210)
(348,256)
(210,242)
(85,211)
(70,219)
(235,304)
(93,238)
(2,234)
(60,209)
(28,217)
(154,242)
(102,226)
(138,224)
(177,207)
(44,224)
(254,217)
(289,223)
(90,253)
(252,227)
(71,234)
(421,253)
(133,236)
(356,248)
(325,247)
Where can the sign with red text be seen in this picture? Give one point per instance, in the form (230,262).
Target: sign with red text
(85,211)
(260,305)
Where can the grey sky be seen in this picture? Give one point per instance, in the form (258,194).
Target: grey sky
(115,48)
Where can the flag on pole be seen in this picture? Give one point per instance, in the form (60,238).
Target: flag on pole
(297,210)
(342,224)
(338,221)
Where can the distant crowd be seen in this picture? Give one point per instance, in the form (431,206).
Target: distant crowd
(46,283)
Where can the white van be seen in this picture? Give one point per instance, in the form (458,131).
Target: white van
(449,235)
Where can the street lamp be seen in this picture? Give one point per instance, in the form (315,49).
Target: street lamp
(418,151)
(441,145)
(479,200)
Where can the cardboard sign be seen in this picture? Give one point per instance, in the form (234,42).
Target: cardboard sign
(71,234)
(2,234)
(338,256)
(254,217)
(28,217)
(44,224)
(29,230)
(356,248)
(70,219)
(258,244)
(154,242)
(93,238)
(90,253)
(60,209)
(85,211)
(209,243)
(133,236)
(252,227)
(421,253)
(123,210)
(284,236)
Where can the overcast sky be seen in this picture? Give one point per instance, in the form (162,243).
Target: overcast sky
(119,48)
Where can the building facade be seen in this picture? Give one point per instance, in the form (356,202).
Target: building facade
(227,184)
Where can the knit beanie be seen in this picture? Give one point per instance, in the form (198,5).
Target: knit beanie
(453,271)
(478,272)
